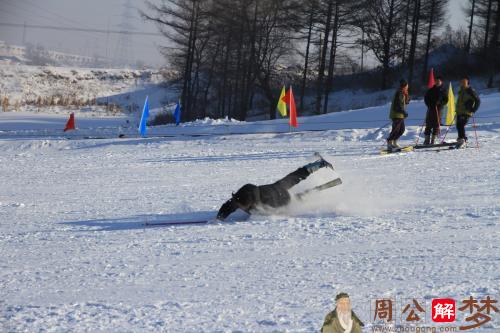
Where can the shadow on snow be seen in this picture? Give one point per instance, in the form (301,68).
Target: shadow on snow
(141,221)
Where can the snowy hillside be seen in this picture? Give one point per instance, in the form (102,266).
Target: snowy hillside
(76,256)
(99,91)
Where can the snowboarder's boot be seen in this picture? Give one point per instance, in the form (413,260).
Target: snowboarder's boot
(427,140)
(433,140)
(315,166)
(395,144)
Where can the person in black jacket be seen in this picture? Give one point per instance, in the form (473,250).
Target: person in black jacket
(251,197)
(435,99)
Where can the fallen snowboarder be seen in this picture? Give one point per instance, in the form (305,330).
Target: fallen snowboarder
(251,198)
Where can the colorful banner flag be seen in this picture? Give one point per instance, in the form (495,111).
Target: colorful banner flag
(281,104)
(144,118)
(431,82)
(177,113)
(290,101)
(70,125)
(450,115)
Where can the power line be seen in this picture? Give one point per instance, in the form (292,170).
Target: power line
(35,16)
(124,51)
(55,14)
(60,28)
(23,10)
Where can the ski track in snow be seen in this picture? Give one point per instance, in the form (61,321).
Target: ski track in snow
(76,256)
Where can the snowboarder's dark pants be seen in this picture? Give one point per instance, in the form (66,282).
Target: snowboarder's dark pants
(293,178)
(398,128)
(432,121)
(461,122)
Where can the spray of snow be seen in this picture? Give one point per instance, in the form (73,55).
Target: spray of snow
(358,195)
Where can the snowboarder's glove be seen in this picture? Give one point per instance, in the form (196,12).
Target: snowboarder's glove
(226,209)
(406,114)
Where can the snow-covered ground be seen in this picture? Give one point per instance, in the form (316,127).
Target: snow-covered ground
(75,255)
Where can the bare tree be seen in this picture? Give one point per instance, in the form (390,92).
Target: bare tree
(405,33)
(181,22)
(382,21)
(343,21)
(493,51)
(470,13)
(324,49)
(226,50)
(435,13)
(309,10)
(416,18)
(487,24)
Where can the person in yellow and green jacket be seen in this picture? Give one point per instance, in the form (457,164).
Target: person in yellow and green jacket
(467,104)
(398,114)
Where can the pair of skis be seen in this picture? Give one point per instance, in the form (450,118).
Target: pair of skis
(449,145)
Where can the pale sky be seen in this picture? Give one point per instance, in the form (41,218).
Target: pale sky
(101,14)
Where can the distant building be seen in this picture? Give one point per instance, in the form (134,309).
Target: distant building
(39,56)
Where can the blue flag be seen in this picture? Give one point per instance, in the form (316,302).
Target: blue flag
(144,118)
(177,113)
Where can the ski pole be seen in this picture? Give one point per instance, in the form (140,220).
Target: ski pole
(475,132)
(420,131)
(381,128)
(449,126)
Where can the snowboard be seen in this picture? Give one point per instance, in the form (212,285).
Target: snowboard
(318,188)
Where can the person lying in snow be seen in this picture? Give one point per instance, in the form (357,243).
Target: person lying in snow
(251,197)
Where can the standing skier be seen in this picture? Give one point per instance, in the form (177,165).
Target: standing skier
(435,99)
(251,197)
(398,114)
(467,104)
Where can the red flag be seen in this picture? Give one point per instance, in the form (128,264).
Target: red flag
(290,101)
(431,82)
(70,125)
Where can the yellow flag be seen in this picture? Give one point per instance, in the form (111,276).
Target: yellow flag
(281,104)
(450,116)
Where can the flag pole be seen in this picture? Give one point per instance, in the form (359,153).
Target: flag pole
(475,132)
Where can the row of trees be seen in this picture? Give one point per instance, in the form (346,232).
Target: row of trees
(484,29)
(231,53)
